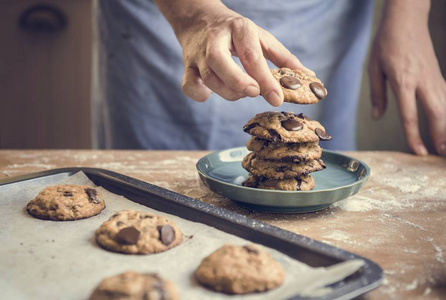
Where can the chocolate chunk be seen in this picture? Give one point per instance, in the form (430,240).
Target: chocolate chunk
(167,234)
(302,116)
(128,236)
(290,82)
(157,287)
(286,72)
(274,135)
(299,184)
(145,216)
(250,249)
(67,194)
(322,163)
(92,196)
(247,128)
(292,125)
(318,89)
(323,136)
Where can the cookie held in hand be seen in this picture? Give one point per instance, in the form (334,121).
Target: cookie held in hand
(299,87)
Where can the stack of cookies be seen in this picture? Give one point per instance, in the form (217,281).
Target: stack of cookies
(285,146)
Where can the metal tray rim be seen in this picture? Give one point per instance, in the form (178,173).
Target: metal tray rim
(372,274)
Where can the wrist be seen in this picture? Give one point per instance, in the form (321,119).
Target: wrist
(184,14)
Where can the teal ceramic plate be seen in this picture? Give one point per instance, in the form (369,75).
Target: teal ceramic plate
(344,176)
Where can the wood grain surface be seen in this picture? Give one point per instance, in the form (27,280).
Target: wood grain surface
(396,220)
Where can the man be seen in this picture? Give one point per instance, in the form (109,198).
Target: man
(145,68)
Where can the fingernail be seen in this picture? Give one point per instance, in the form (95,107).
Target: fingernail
(442,149)
(273,98)
(251,91)
(421,150)
(376,114)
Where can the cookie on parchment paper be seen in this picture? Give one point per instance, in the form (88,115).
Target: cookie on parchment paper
(135,286)
(137,232)
(240,270)
(66,202)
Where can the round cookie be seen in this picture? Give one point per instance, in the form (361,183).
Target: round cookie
(137,232)
(286,127)
(135,286)
(294,152)
(299,87)
(275,169)
(240,270)
(66,202)
(304,183)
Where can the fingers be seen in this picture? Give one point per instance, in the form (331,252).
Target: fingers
(278,54)
(378,88)
(405,93)
(212,81)
(246,43)
(193,87)
(219,59)
(434,104)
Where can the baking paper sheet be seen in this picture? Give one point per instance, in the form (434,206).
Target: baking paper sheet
(42,259)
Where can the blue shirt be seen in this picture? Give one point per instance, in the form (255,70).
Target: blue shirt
(141,67)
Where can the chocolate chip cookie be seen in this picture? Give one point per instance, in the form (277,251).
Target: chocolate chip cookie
(299,87)
(240,270)
(294,152)
(66,203)
(135,286)
(303,183)
(137,232)
(286,127)
(276,169)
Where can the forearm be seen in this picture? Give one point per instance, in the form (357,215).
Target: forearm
(406,11)
(181,14)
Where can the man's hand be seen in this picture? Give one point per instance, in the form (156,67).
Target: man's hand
(210,35)
(403,55)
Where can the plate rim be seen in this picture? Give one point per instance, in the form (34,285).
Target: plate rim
(332,152)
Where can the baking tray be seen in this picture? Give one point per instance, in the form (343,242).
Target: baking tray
(306,250)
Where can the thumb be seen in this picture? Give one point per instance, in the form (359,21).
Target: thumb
(278,54)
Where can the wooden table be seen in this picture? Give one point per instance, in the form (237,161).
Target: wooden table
(397,220)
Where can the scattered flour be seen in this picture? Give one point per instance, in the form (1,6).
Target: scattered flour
(167,162)
(114,165)
(412,285)
(438,253)
(410,250)
(337,235)
(405,222)
(31,165)
(364,203)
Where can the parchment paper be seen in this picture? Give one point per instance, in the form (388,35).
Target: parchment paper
(60,260)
